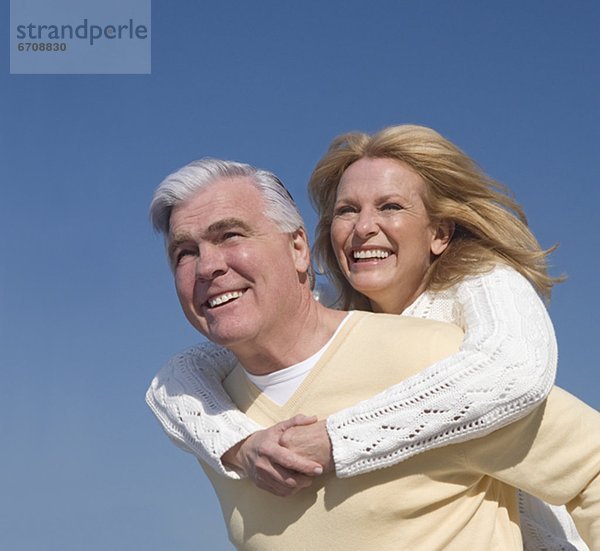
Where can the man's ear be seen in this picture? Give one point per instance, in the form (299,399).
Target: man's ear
(444,230)
(300,250)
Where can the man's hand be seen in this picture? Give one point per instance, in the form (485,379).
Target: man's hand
(311,442)
(271,466)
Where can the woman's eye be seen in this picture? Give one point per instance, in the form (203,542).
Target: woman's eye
(343,209)
(391,206)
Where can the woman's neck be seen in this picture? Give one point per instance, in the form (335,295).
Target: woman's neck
(395,304)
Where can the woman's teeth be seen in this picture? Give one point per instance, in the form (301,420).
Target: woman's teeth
(371,253)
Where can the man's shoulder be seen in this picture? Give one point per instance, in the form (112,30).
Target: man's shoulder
(398,324)
(564,403)
(413,339)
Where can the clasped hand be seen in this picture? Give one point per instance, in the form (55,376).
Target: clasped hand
(284,458)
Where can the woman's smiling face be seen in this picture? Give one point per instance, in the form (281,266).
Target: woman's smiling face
(381,233)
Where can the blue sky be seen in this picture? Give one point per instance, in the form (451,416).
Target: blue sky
(87,308)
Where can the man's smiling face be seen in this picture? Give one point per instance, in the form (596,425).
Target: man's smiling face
(233,266)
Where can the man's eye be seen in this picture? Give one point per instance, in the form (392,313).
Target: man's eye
(231,235)
(183,253)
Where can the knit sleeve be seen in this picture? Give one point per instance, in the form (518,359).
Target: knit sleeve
(189,401)
(505,367)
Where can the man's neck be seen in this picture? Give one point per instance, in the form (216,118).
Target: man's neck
(290,343)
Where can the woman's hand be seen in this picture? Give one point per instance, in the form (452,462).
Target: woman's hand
(311,442)
(272,466)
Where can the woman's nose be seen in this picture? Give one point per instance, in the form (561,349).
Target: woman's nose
(366,224)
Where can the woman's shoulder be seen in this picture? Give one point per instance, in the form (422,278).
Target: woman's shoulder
(498,276)
(448,304)
(440,305)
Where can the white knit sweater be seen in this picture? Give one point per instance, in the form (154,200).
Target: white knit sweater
(505,367)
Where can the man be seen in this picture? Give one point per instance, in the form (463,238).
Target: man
(242,272)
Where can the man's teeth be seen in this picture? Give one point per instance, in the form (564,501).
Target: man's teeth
(371,253)
(222,299)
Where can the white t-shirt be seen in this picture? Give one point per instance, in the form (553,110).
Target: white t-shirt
(280,385)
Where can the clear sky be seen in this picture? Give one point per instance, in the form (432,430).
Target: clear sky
(87,308)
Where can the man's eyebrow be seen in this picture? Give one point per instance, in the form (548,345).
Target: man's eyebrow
(228,224)
(217,227)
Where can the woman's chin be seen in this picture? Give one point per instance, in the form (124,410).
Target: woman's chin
(369,286)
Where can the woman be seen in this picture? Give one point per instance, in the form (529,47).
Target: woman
(408,225)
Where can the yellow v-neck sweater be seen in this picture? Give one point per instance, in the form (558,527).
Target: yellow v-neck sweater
(452,498)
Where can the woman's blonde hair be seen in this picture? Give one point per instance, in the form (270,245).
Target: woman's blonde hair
(489,226)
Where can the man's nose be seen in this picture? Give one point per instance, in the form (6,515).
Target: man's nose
(366,224)
(210,264)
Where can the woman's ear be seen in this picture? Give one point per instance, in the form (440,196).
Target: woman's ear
(300,250)
(442,236)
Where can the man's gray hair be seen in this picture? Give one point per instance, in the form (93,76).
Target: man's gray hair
(187,181)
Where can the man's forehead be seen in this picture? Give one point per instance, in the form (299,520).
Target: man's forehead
(223,204)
